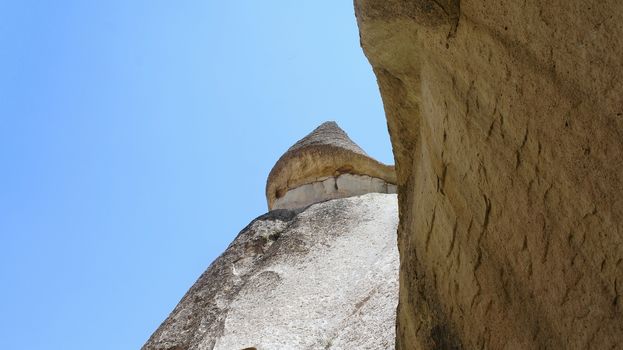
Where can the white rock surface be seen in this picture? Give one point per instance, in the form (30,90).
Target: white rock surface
(342,186)
(323,278)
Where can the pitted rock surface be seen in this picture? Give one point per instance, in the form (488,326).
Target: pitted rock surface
(325,277)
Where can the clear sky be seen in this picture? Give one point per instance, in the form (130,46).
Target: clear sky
(135,140)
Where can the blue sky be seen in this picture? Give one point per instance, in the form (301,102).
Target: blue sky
(135,141)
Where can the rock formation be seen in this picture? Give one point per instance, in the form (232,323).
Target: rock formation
(506,120)
(326,164)
(323,276)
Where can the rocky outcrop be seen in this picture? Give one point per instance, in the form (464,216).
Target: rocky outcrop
(326,164)
(323,276)
(506,120)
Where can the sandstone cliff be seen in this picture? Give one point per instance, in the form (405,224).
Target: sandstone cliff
(506,119)
(321,276)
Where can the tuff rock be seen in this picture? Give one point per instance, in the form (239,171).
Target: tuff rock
(321,276)
(326,164)
(506,120)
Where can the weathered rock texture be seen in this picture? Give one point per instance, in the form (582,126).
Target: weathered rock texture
(322,278)
(313,169)
(506,119)
(341,186)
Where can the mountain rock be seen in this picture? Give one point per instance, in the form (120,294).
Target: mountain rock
(321,276)
(506,120)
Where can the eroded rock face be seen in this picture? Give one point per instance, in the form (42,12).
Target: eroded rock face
(506,120)
(325,277)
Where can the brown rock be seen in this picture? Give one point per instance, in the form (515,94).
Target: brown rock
(506,120)
(327,152)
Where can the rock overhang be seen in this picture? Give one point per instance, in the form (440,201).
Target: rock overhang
(314,167)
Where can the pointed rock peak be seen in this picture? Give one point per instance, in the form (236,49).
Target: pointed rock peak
(314,167)
(328,134)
